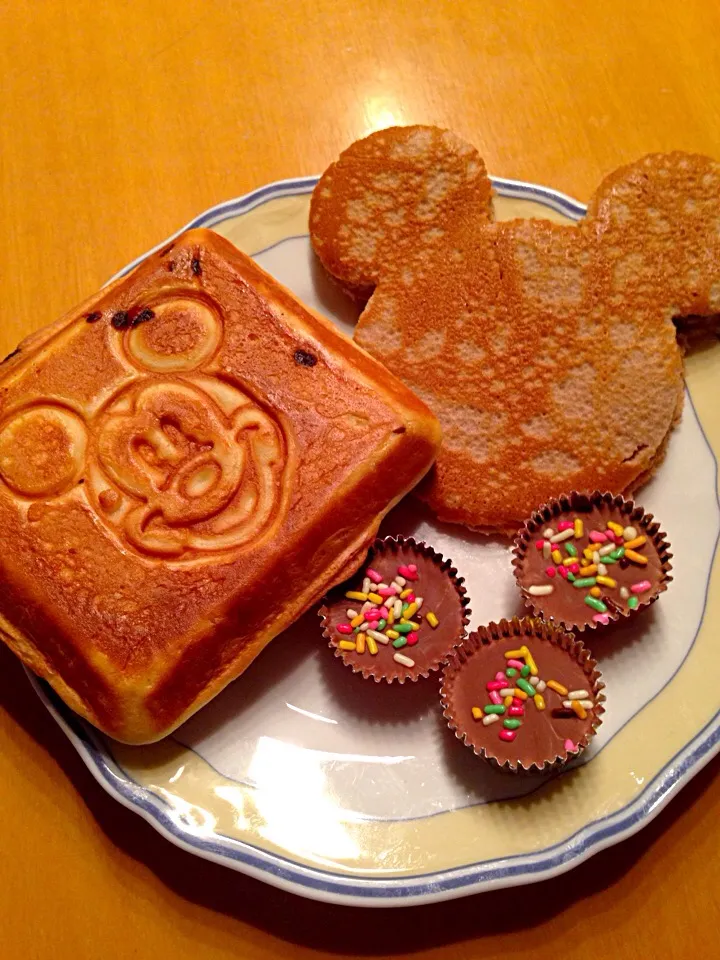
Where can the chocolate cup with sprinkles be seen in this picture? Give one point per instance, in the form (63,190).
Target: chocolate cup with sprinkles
(585,560)
(534,728)
(418,643)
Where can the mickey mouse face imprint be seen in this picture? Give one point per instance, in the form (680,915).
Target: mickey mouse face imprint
(183,333)
(42,451)
(176,474)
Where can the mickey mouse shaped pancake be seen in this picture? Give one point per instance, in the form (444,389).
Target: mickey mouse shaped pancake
(547,351)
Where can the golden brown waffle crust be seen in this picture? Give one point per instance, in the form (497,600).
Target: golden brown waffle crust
(188,461)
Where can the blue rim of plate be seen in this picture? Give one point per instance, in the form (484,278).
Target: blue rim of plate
(350,889)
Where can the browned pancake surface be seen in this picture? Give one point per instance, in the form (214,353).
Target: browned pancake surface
(548,352)
(385,203)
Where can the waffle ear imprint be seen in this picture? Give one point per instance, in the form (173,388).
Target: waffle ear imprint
(547,351)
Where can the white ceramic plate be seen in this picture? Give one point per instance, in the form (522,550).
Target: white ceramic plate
(308,777)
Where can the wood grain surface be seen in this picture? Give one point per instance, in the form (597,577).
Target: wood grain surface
(119,121)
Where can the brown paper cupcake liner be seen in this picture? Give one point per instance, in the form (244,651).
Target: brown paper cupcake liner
(466,673)
(433,646)
(583,504)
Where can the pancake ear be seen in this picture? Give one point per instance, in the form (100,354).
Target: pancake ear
(659,232)
(391,197)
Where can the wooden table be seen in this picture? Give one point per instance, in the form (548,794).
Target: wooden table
(120,121)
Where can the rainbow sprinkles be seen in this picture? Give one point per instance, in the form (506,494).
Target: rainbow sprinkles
(519,688)
(586,566)
(390,613)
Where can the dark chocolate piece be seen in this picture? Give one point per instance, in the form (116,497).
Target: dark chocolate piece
(304,358)
(142,317)
(120,320)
